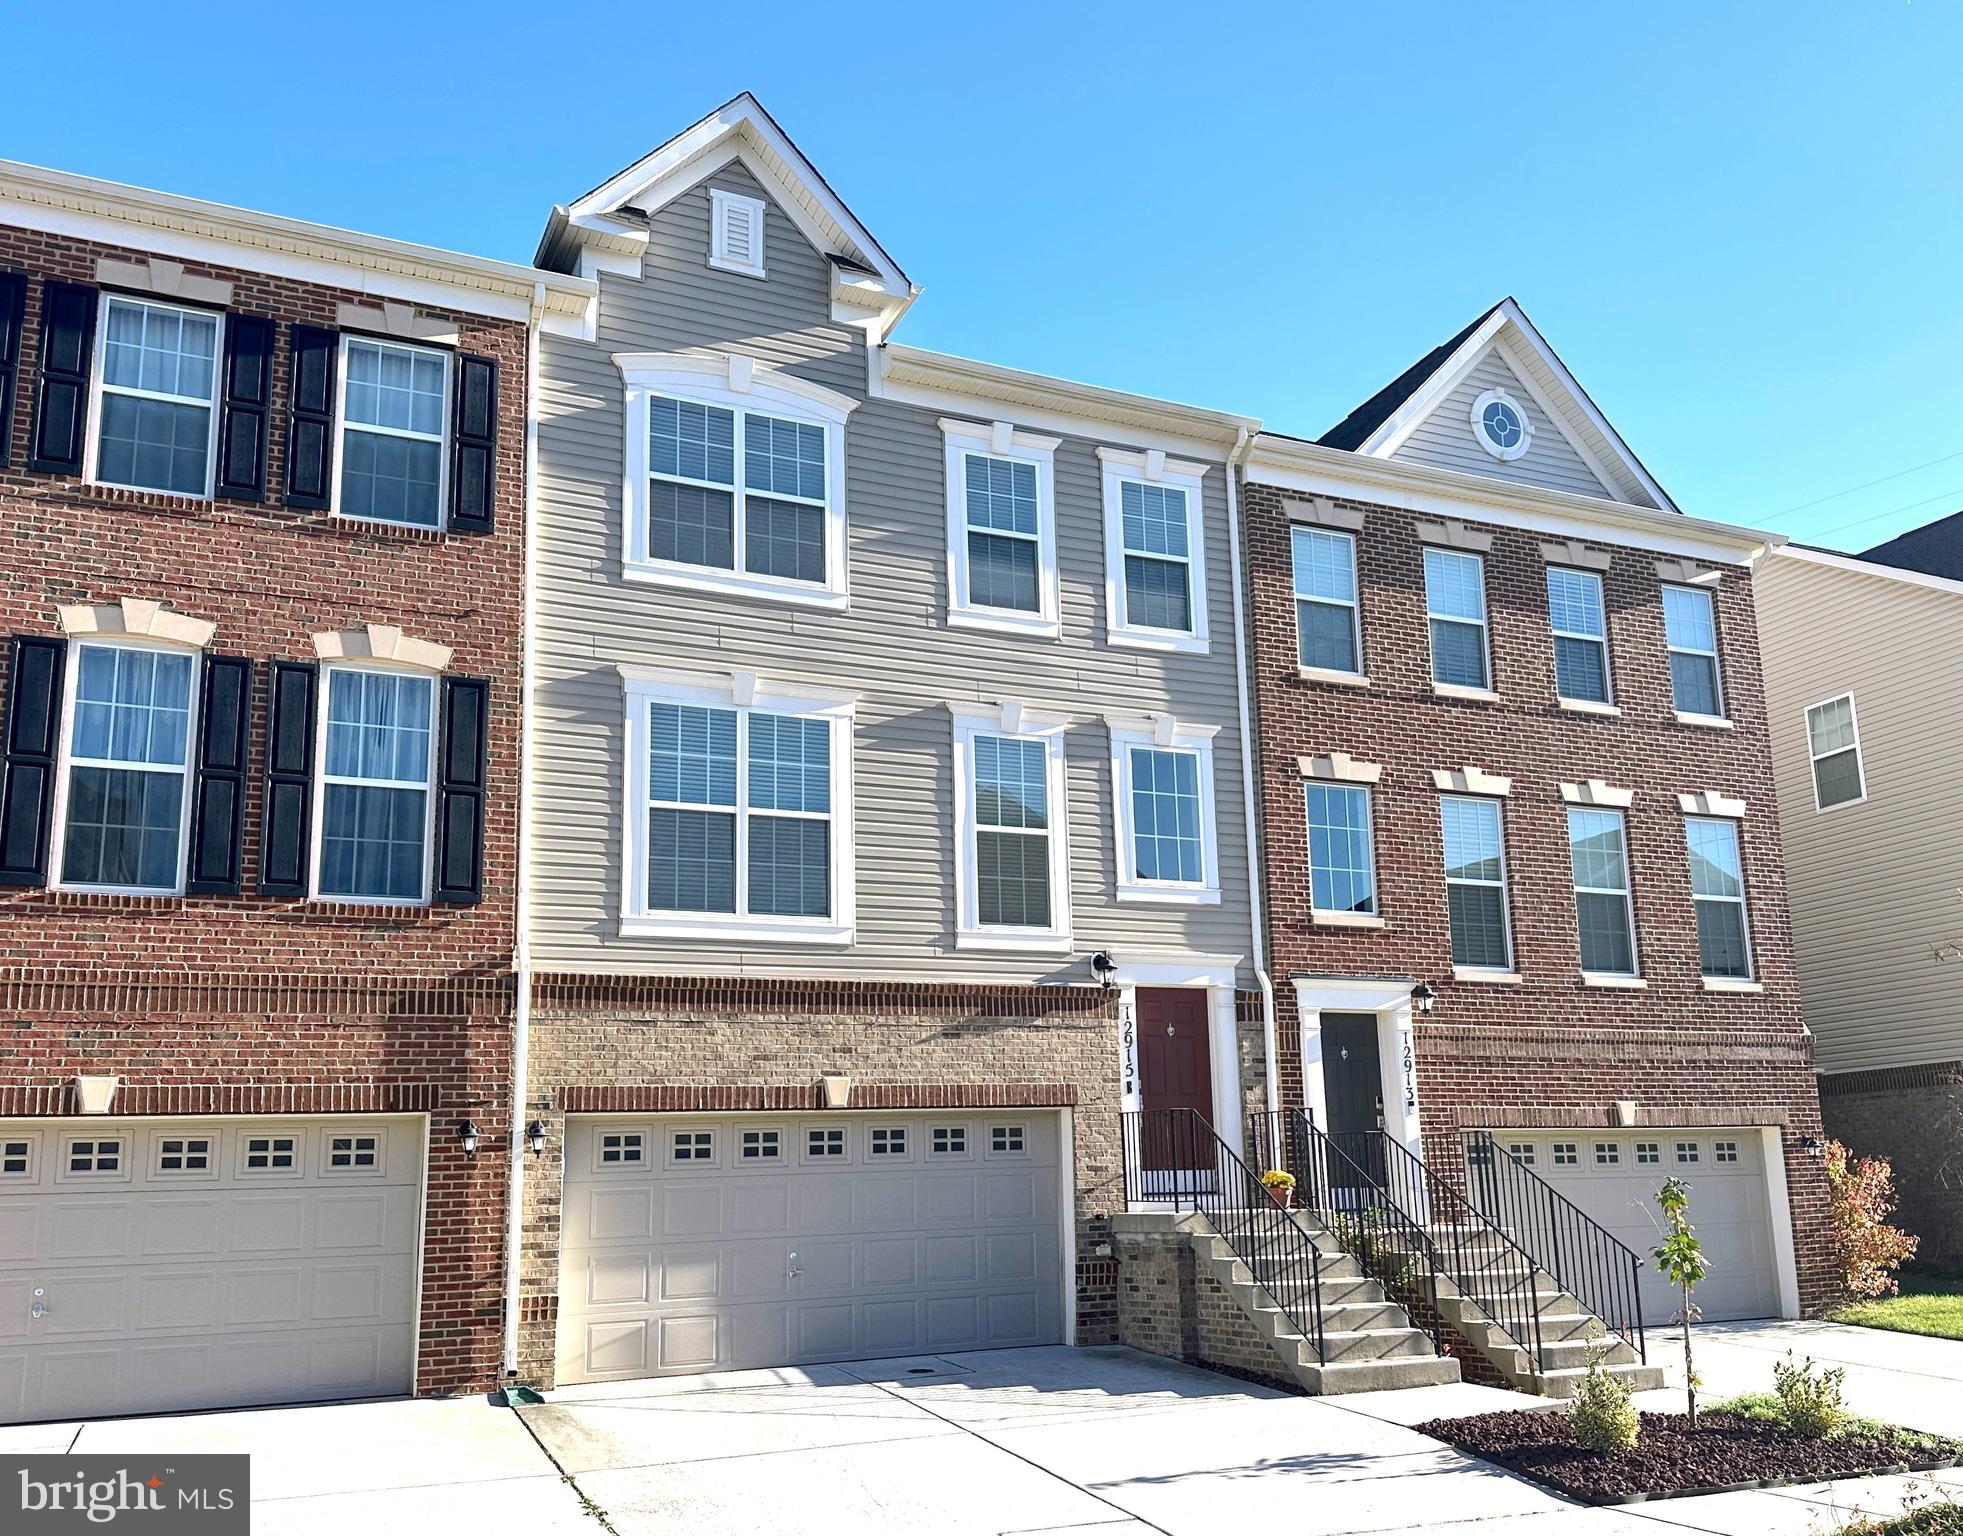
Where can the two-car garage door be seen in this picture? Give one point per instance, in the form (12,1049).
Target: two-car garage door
(695,1244)
(147,1266)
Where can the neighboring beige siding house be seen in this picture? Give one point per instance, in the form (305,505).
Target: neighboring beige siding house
(1864,679)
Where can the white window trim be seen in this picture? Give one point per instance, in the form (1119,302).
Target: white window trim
(327,671)
(719,203)
(1000,440)
(1485,690)
(1741,900)
(1500,396)
(1813,758)
(58,819)
(740,691)
(1359,673)
(1342,917)
(1463,972)
(1568,701)
(1633,977)
(1161,733)
(1716,653)
(736,383)
(1009,719)
(98,377)
(1153,468)
(449,361)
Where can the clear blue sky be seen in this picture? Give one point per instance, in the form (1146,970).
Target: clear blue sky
(1739,224)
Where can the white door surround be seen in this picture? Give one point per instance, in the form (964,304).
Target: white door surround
(1217,974)
(1389,998)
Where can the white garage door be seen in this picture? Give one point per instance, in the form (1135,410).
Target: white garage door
(154,1265)
(1614,1176)
(694,1244)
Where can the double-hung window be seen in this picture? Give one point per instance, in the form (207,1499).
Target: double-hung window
(1162,774)
(125,789)
(1833,742)
(1717,888)
(1154,555)
(378,734)
(734,479)
(1598,850)
(1581,635)
(156,404)
(395,401)
(1001,528)
(1342,868)
(1475,882)
(1455,606)
(1690,634)
(1327,627)
(1012,860)
(740,813)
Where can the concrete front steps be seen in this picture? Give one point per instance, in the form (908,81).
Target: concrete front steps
(1368,1343)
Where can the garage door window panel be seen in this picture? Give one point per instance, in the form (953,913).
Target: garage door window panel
(95,1157)
(176,1156)
(762,1146)
(619,1149)
(692,1149)
(351,1154)
(1648,1153)
(18,1156)
(1006,1141)
(1717,887)
(887,1143)
(826,1145)
(1599,852)
(949,1141)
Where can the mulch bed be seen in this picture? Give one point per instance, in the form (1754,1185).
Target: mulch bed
(1724,1453)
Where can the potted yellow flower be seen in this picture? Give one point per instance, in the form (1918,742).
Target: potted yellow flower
(1280,1185)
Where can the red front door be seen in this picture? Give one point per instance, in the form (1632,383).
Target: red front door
(1175,1071)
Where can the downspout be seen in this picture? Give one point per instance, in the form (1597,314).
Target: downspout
(1250,776)
(521,948)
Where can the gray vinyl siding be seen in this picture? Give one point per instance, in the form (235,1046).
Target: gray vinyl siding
(1444,439)
(1873,886)
(892,646)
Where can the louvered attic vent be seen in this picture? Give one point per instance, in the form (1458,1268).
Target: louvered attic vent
(736,234)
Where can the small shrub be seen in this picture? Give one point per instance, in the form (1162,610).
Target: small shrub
(1811,1403)
(1603,1418)
(1860,1199)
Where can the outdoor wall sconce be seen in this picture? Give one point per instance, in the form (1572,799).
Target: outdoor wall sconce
(1813,1145)
(1424,997)
(467,1137)
(1105,969)
(535,1138)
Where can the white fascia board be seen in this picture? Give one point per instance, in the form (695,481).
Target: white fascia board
(1860,567)
(1401,423)
(82,207)
(965,387)
(1319,471)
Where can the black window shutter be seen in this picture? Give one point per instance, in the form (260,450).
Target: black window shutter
(218,791)
(13,314)
(248,395)
(474,445)
(460,790)
(310,417)
(287,825)
(32,733)
(61,405)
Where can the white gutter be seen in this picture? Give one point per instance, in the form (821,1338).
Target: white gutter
(1250,776)
(521,947)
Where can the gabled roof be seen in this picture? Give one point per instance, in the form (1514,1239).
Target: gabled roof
(609,221)
(1935,549)
(1379,426)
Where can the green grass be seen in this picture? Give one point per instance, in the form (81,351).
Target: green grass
(1926,1306)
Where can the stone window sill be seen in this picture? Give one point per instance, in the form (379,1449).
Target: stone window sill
(1470,695)
(1731,984)
(1474,973)
(1606,979)
(1346,919)
(1587,707)
(1331,675)
(1705,722)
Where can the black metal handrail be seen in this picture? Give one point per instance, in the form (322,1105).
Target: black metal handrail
(1175,1157)
(1412,1212)
(1586,1260)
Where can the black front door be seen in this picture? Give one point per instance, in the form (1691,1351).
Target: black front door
(1353,1088)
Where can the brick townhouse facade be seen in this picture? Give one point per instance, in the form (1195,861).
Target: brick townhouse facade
(261,524)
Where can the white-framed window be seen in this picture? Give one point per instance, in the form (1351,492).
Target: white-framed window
(376,803)
(1649,1153)
(735,479)
(824,1143)
(1455,609)
(269,1154)
(1328,617)
(1154,551)
(155,396)
(692,1147)
(736,232)
(123,801)
(1579,620)
(1567,1154)
(619,1149)
(1724,1151)
(1598,851)
(1524,1151)
(1001,528)
(739,819)
(95,1156)
(1607,1154)
(1475,882)
(1717,889)
(761,1146)
(1833,742)
(352,1152)
(1501,425)
(1162,774)
(948,1141)
(888,1141)
(1012,860)
(190,1157)
(1342,865)
(1690,637)
(1006,1140)
(1687,1152)
(390,464)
